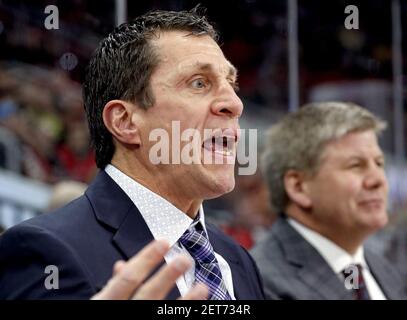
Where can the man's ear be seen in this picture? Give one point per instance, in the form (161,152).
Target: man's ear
(296,186)
(119,120)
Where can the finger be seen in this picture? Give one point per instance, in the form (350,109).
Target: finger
(161,283)
(133,273)
(118,266)
(198,292)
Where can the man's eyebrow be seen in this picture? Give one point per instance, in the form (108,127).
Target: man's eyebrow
(362,157)
(209,67)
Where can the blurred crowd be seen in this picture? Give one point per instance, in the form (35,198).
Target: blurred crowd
(43,132)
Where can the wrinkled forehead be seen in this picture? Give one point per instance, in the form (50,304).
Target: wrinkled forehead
(185,51)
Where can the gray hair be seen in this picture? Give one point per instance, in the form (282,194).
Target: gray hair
(298,140)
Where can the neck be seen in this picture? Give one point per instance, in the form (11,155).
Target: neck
(348,240)
(159,184)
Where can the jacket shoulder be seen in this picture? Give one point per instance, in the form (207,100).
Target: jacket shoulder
(31,254)
(274,267)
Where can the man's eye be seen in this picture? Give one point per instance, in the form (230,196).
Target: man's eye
(380,163)
(354,165)
(198,83)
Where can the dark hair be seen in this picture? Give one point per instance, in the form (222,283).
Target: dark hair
(122,65)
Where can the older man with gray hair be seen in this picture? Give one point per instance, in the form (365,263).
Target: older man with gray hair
(325,171)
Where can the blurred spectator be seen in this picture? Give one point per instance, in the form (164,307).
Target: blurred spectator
(252,213)
(74,155)
(64,192)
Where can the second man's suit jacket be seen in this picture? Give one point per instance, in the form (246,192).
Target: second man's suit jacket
(292,268)
(85,238)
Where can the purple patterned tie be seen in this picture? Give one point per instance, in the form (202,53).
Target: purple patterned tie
(207,269)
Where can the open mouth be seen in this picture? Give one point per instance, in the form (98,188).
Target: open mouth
(221,143)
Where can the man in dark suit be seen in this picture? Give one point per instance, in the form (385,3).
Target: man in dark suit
(152,78)
(325,171)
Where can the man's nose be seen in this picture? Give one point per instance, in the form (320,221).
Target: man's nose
(227,102)
(375,177)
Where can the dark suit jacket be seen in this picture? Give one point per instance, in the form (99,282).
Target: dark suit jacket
(85,238)
(293,269)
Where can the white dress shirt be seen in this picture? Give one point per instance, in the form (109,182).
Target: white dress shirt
(338,259)
(166,221)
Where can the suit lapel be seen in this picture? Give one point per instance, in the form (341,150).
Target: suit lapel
(132,236)
(319,276)
(313,270)
(389,281)
(114,208)
(220,245)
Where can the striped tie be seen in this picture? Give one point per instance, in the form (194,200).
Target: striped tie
(207,268)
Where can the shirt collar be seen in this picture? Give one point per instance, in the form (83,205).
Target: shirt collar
(337,258)
(164,220)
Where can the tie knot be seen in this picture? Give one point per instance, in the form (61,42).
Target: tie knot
(198,245)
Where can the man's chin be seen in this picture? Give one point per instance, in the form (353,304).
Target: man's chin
(382,220)
(377,221)
(221,186)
